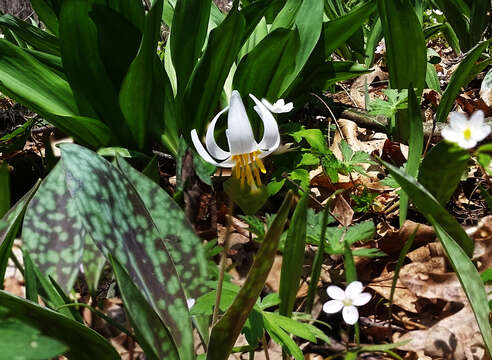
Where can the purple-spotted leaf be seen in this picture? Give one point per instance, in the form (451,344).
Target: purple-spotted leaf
(93,262)
(118,222)
(184,246)
(52,231)
(12,220)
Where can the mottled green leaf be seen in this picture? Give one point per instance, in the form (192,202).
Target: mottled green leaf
(151,333)
(21,341)
(12,220)
(118,222)
(83,342)
(93,263)
(184,246)
(52,230)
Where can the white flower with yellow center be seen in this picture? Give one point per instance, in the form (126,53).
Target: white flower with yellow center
(466,132)
(244,153)
(346,300)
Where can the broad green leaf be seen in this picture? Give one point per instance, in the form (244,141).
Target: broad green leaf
(286,17)
(458,20)
(52,230)
(74,335)
(282,338)
(258,34)
(188,33)
(118,39)
(151,333)
(272,61)
(314,137)
(4,188)
(373,39)
(337,31)
(227,329)
(46,14)
(21,341)
(135,94)
(458,80)
(429,206)
(452,161)
(293,257)
(115,217)
(82,64)
(34,36)
(308,22)
(406,54)
(415,146)
(205,85)
(479,19)
(184,246)
(431,78)
(133,11)
(469,278)
(45,92)
(12,220)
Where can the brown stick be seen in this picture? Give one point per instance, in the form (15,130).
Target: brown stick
(379,123)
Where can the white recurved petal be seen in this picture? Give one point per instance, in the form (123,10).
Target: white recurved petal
(350,315)
(271,135)
(228,163)
(239,133)
(212,146)
(335,293)
(353,290)
(362,299)
(332,306)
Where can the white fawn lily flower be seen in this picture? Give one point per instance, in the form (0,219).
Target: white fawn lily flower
(244,153)
(466,132)
(278,106)
(346,301)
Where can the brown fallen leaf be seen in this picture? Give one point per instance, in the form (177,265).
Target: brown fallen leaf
(394,239)
(342,211)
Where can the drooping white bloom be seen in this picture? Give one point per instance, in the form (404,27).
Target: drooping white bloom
(278,106)
(466,132)
(244,153)
(346,301)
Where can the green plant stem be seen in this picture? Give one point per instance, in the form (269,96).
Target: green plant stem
(222,265)
(265,346)
(101,315)
(318,261)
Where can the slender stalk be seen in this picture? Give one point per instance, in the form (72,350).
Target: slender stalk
(265,346)
(222,264)
(318,261)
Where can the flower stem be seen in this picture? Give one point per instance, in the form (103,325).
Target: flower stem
(222,264)
(318,261)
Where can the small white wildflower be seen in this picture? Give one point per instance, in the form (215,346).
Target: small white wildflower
(381,48)
(346,300)
(190,302)
(466,132)
(278,106)
(437,12)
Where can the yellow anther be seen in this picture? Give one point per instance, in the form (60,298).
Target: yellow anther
(257,176)
(467,133)
(260,164)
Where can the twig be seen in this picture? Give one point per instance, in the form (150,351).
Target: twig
(332,115)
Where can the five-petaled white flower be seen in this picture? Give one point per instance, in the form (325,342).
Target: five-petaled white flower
(346,300)
(278,106)
(244,153)
(466,133)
